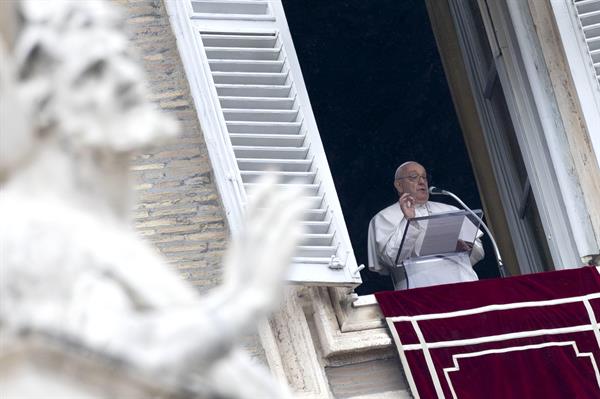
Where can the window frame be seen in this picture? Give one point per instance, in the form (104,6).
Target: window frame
(557,192)
(539,130)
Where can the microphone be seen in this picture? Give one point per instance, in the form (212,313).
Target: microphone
(438,191)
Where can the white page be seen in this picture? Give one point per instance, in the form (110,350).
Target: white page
(468,231)
(441,235)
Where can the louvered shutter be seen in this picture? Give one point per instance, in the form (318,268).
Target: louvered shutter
(588,14)
(256,117)
(578,23)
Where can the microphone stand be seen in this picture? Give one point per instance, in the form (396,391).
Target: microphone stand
(434,190)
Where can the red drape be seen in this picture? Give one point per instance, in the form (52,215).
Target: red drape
(533,336)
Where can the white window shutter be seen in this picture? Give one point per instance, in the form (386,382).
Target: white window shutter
(578,23)
(256,117)
(588,15)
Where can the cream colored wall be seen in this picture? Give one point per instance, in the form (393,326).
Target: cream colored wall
(8,28)
(578,134)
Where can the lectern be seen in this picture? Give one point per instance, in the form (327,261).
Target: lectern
(433,250)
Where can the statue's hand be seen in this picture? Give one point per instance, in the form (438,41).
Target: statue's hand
(259,256)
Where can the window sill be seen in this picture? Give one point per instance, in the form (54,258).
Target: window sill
(349,332)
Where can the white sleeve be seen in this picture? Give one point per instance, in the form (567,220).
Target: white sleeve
(477,252)
(384,243)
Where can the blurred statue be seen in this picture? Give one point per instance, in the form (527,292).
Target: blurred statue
(73,109)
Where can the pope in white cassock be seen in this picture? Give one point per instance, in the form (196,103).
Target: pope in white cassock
(387,228)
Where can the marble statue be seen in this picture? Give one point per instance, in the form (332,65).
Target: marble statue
(73,110)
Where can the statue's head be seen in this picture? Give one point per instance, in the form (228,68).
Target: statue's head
(77,79)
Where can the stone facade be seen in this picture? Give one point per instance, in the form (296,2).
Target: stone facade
(178,207)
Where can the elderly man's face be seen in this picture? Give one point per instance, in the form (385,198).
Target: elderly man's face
(413,180)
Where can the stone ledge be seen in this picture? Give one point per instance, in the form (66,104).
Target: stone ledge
(344,347)
(39,367)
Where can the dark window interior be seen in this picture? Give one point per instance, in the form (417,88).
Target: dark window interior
(380,97)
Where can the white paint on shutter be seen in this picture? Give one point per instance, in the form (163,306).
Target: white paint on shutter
(256,116)
(579,27)
(231,9)
(588,14)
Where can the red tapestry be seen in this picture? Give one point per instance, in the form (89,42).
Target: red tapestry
(533,336)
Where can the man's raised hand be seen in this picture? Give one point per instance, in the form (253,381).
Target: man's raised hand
(407,204)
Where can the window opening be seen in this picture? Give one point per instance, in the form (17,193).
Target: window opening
(380,98)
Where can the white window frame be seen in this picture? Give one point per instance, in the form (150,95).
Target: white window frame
(481,81)
(539,130)
(558,193)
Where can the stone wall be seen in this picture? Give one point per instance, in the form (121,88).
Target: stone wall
(380,378)
(178,206)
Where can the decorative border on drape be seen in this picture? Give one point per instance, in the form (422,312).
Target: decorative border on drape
(574,334)
(456,367)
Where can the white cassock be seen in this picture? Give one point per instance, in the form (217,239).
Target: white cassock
(385,234)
